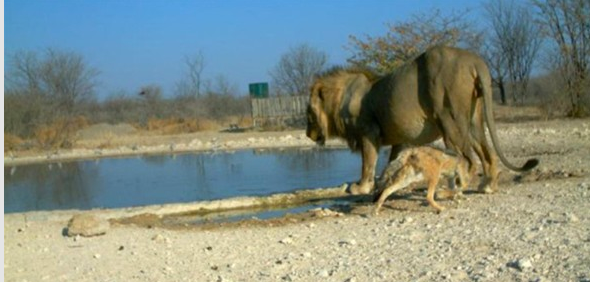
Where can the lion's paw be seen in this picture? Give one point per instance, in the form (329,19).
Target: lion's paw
(487,189)
(361,189)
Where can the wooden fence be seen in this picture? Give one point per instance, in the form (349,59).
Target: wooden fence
(279,111)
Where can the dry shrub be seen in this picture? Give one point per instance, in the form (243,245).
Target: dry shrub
(11,142)
(106,140)
(553,106)
(207,124)
(505,113)
(180,125)
(246,121)
(154,124)
(240,121)
(61,133)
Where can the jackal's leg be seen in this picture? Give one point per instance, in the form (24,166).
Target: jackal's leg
(404,177)
(432,182)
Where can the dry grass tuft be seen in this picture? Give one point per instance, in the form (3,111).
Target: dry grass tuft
(61,133)
(180,125)
(11,142)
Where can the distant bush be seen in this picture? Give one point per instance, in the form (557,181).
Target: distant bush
(212,107)
(11,142)
(165,116)
(49,96)
(180,125)
(59,134)
(181,114)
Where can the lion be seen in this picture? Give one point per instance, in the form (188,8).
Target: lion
(445,92)
(423,163)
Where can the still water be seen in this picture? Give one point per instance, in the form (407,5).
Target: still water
(149,180)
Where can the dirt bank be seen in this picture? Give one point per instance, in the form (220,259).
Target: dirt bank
(537,228)
(146,144)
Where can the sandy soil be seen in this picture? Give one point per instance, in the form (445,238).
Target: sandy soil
(536,228)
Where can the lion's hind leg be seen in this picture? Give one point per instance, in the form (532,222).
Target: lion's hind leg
(464,176)
(483,150)
(404,177)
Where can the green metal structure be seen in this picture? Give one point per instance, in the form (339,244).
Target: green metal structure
(258,90)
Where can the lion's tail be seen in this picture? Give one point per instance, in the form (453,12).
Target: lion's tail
(485,88)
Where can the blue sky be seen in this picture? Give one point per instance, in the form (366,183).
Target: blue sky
(136,43)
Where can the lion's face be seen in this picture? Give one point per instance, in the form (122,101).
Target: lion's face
(317,119)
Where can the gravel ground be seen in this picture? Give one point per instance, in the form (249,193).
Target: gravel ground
(536,228)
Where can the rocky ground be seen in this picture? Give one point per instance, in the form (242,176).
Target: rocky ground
(536,228)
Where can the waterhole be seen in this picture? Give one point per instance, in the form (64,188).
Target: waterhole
(150,180)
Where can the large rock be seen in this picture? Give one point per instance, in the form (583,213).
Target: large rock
(87,225)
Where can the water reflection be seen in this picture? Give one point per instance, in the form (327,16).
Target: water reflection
(37,186)
(306,160)
(147,180)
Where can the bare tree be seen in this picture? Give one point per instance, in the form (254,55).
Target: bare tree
(406,40)
(516,38)
(221,85)
(568,25)
(24,73)
(151,92)
(67,79)
(152,95)
(192,84)
(296,69)
(496,64)
(26,104)
(53,85)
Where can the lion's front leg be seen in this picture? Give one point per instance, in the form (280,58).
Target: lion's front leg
(369,155)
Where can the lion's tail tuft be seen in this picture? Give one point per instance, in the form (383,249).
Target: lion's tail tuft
(485,85)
